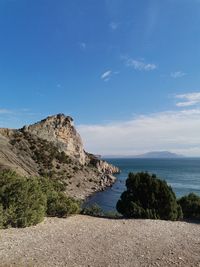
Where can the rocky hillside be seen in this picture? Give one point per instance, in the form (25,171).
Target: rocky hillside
(54,148)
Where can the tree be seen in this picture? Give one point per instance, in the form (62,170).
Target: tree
(21,199)
(190,205)
(24,201)
(58,204)
(148,197)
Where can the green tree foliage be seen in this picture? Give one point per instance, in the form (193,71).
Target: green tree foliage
(93,210)
(58,204)
(22,200)
(25,201)
(148,197)
(190,205)
(1,216)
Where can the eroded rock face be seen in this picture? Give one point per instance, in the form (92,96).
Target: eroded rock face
(106,167)
(103,166)
(54,148)
(60,130)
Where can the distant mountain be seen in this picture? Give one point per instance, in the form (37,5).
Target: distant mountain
(152,155)
(159,154)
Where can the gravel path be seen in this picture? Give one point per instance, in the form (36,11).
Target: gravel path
(87,241)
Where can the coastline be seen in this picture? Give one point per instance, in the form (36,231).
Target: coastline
(181,174)
(101,190)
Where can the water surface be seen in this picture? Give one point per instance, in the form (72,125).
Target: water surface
(182,174)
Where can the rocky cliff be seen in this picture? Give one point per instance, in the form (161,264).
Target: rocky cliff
(53,147)
(60,130)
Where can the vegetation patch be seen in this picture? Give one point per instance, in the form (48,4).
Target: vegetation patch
(190,205)
(93,210)
(96,211)
(22,201)
(26,201)
(148,197)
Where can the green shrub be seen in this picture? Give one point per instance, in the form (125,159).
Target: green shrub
(93,210)
(96,211)
(148,197)
(48,185)
(58,204)
(112,214)
(75,168)
(1,216)
(62,157)
(78,185)
(190,205)
(22,201)
(25,201)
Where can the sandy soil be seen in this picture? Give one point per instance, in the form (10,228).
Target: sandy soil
(86,241)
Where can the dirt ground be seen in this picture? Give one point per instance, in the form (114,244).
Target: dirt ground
(88,241)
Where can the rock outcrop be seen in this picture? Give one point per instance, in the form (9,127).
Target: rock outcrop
(53,147)
(60,130)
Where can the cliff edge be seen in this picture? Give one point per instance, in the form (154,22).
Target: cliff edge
(54,148)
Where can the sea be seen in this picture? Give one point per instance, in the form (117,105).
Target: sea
(183,175)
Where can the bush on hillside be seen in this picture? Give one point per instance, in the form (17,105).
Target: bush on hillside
(190,205)
(25,201)
(96,211)
(58,204)
(1,217)
(112,214)
(50,185)
(148,197)
(22,202)
(93,210)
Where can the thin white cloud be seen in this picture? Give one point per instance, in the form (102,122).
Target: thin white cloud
(114,25)
(189,99)
(5,111)
(106,75)
(177,74)
(140,65)
(186,104)
(176,131)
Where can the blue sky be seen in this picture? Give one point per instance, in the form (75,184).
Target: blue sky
(107,64)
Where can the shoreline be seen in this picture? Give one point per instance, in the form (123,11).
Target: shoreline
(100,190)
